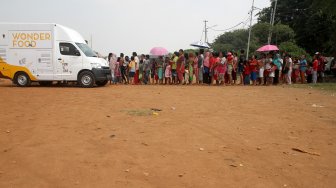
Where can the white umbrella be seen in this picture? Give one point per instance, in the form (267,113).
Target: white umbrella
(200,44)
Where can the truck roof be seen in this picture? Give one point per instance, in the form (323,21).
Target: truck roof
(61,32)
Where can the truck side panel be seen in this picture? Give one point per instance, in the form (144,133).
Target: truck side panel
(26,48)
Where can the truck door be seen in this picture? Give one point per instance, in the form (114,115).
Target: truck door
(44,66)
(68,61)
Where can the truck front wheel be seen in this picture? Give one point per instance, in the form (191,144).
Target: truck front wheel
(101,83)
(86,79)
(21,79)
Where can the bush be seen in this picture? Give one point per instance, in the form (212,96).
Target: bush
(294,50)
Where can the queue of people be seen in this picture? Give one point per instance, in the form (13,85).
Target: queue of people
(215,68)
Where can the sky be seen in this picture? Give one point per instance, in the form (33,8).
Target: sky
(135,25)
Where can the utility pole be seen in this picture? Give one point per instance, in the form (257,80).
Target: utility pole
(272,23)
(250,30)
(206,32)
(91,40)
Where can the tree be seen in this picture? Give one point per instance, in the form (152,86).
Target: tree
(281,33)
(293,49)
(237,40)
(233,41)
(313,21)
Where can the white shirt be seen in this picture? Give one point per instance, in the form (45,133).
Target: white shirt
(137,61)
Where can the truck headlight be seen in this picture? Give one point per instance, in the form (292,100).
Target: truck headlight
(96,65)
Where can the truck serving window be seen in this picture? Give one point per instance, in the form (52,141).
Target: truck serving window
(68,49)
(86,50)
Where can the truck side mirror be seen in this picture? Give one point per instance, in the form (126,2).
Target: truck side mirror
(77,53)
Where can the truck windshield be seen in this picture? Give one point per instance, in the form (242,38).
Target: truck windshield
(86,50)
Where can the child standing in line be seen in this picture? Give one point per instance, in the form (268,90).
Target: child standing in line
(191,68)
(309,73)
(168,74)
(261,70)
(247,73)
(131,66)
(270,67)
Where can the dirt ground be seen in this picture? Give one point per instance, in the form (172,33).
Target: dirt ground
(203,137)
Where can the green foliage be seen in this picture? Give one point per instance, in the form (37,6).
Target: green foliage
(237,40)
(293,49)
(326,5)
(313,22)
(281,33)
(234,40)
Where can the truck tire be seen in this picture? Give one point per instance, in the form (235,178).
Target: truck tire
(45,83)
(101,83)
(21,79)
(86,79)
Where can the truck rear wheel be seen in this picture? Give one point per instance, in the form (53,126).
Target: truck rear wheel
(21,79)
(86,79)
(101,83)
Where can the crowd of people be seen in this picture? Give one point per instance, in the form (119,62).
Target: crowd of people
(215,68)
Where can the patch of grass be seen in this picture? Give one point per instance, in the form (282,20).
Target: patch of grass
(139,112)
(320,86)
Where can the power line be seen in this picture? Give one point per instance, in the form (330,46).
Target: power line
(229,28)
(240,23)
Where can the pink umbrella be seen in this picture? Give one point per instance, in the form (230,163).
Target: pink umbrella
(268,48)
(159,51)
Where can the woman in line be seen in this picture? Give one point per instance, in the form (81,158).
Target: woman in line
(160,69)
(191,67)
(253,70)
(127,61)
(132,68)
(123,67)
(303,68)
(278,63)
(196,67)
(112,63)
(168,74)
(221,69)
(180,67)
(235,68)
(206,74)
(117,72)
(229,62)
(200,66)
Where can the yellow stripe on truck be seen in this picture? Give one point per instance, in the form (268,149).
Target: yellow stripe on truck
(8,71)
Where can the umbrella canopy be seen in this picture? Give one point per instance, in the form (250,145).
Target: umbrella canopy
(159,51)
(268,48)
(200,44)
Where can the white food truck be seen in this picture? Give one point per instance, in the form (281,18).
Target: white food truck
(46,53)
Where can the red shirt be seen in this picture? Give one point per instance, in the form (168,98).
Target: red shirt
(253,65)
(321,65)
(212,62)
(315,65)
(247,70)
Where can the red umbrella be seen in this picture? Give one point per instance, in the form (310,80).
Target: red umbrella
(268,48)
